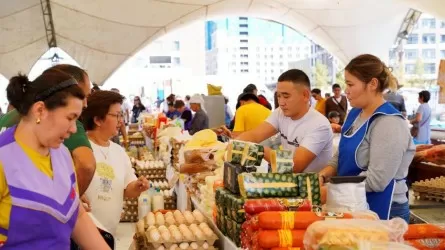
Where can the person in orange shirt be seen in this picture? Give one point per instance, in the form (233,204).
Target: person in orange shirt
(320,105)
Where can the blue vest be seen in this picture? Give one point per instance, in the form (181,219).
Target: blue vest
(379,202)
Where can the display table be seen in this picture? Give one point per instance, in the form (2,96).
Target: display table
(223,242)
(424,170)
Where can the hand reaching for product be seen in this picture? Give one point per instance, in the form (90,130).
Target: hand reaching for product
(142,184)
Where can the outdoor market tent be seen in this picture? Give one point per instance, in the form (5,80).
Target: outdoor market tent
(102,34)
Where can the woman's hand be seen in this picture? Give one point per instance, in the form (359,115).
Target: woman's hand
(142,184)
(86,203)
(135,188)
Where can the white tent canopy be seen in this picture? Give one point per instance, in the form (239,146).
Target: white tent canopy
(102,34)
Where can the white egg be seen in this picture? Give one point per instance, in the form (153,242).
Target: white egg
(205,245)
(194,245)
(184,245)
(174,247)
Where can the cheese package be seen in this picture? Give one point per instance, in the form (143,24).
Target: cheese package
(260,185)
(245,153)
(281,161)
(309,188)
(352,233)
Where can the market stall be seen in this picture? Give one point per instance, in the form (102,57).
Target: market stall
(228,197)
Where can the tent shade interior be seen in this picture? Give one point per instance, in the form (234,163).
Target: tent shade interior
(102,34)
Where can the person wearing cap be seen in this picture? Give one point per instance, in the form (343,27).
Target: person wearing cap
(200,120)
(244,120)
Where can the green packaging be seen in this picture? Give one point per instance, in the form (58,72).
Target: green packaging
(282,161)
(260,185)
(309,187)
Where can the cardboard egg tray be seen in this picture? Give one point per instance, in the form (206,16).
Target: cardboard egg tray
(430,189)
(130,213)
(145,172)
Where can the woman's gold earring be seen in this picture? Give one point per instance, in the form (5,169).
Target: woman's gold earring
(38,121)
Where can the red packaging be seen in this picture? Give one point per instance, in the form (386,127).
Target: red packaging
(263,205)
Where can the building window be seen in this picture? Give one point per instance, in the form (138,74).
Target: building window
(411,54)
(410,68)
(258,56)
(244,63)
(271,71)
(289,48)
(257,71)
(281,56)
(244,71)
(244,56)
(430,68)
(243,25)
(242,18)
(272,78)
(176,60)
(442,38)
(442,54)
(289,55)
(272,64)
(244,33)
(281,70)
(413,39)
(429,23)
(429,53)
(281,63)
(176,45)
(281,48)
(429,38)
(244,40)
(243,48)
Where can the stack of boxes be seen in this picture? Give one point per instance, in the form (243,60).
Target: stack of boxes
(241,183)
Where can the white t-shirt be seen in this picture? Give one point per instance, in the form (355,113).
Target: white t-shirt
(312,132)
(126,107)
(106,190)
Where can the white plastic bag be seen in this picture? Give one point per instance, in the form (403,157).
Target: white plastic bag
(351,234)
(346,197)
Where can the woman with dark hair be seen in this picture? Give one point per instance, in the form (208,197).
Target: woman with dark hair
(422,120)
(114,177)
(138,108)
(37,181)
(186,113)
(77,143)
(375,140)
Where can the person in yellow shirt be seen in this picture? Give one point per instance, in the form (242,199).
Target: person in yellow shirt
(250,114)
(39,203)
(320,105)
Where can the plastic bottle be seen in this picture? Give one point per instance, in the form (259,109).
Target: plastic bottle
(144,204)
(157,201)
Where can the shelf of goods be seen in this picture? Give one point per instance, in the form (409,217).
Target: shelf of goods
(174,230)
(155,172)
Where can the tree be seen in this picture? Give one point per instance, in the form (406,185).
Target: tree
(419,71)
(340,78)
(321,75)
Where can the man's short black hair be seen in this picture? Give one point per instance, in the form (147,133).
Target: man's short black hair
(296,76)
(333,114)
(247,97)
(316,91)
(335,86)
(425,95)
(250,88)
(171,104)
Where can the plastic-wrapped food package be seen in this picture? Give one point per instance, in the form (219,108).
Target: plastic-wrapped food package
(280,238)
(303,219)
(424,231)
(346,197)
(330,234)
(427,244)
